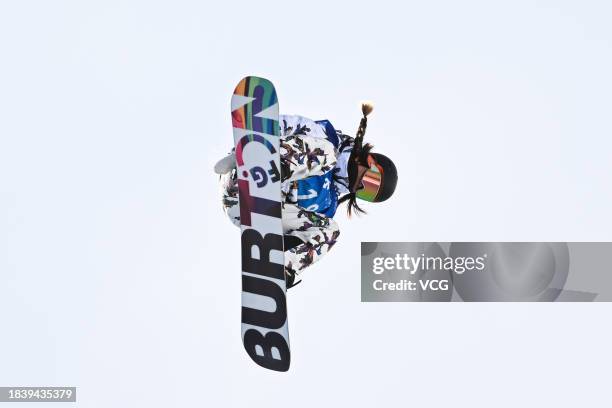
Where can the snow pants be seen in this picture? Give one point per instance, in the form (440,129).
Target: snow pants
(316,233)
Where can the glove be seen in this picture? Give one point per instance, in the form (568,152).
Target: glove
(226,164)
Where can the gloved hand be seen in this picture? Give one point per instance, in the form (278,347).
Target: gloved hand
(226,164)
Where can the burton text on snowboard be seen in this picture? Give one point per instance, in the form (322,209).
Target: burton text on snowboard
(265,329)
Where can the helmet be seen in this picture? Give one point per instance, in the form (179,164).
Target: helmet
(379,180)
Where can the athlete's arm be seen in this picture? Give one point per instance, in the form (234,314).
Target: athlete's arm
(305,156)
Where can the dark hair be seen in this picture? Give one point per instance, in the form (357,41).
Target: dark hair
(359,155)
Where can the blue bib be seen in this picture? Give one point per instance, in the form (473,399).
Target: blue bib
(318,193)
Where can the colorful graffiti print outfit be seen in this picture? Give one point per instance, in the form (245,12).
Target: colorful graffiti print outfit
(313,171)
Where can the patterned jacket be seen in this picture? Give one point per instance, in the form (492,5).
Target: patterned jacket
(314,158)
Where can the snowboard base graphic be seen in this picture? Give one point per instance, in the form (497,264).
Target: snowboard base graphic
(255,121)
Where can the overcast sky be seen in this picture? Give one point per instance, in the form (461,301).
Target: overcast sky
(120,273)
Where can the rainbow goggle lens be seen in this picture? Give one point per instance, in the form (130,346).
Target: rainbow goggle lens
(370,182)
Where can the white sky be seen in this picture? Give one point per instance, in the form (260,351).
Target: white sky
(120,274)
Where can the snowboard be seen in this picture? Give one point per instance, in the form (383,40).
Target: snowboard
(255,121)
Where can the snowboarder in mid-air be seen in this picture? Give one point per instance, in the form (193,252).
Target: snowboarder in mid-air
(320,169)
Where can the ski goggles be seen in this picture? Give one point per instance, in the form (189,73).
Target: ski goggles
(370,183)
